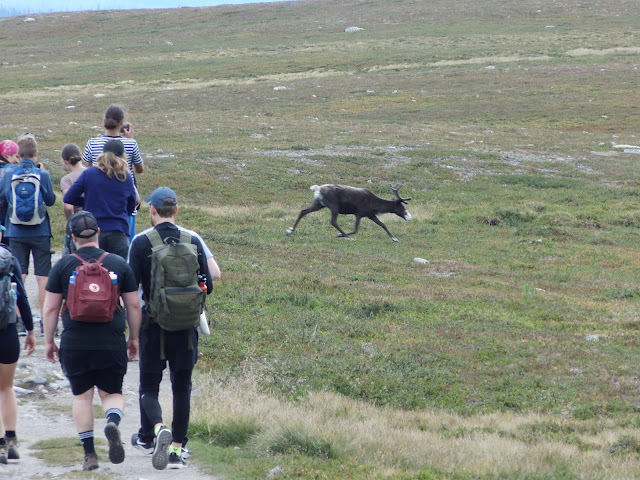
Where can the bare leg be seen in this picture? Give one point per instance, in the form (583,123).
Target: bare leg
(111,400)
(8,404)
(82,411)
(42,284)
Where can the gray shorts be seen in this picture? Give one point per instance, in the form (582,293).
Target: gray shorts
(40,247)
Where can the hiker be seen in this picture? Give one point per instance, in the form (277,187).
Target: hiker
(9,153)
(10,351)
(25,193)
(71,157)
(178,347)
(93,348)
(214,271)
(116,128)
(108,192)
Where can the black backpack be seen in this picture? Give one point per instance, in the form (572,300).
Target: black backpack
(8,294)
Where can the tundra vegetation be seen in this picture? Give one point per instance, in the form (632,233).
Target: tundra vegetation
(512,351)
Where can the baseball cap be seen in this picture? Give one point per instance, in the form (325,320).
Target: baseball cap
(83,224)
(162,197)
(8,147)
(114,146)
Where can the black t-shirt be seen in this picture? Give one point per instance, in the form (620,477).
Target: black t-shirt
(92,336)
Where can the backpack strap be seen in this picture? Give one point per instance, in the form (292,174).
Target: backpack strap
(82,260)
(185,237)
(154,238)
(100,258)
(156,241)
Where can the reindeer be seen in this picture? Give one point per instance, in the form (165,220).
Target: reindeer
(341,199)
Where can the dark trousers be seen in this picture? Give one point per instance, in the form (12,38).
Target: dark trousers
(150,410)
(181,356)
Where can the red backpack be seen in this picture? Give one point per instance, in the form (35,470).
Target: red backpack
(93,294)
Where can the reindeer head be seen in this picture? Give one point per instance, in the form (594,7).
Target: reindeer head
(400,203)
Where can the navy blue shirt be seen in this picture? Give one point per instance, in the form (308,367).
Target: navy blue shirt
(111,201)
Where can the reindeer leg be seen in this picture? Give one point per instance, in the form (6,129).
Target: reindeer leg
(313,208)
(356,226)
(334,222)
(374,219)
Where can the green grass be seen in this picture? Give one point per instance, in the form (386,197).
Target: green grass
(498,126)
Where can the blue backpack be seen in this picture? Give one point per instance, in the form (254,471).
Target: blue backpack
(26,205)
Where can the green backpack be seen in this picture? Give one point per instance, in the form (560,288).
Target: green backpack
(175,298)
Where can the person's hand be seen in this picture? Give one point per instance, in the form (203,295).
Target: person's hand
(133,346)
(128,132)
(52,352)
(40,165)
(30,342)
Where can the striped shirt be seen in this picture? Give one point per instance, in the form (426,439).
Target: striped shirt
(95,146)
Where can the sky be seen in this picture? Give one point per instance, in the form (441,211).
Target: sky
(20,7)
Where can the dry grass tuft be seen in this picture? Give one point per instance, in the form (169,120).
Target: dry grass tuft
(489,444)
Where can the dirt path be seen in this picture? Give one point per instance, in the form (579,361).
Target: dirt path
(37,421)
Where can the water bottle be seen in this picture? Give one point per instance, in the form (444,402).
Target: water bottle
(14,292)
(72,278)
(202,282)
(114,277)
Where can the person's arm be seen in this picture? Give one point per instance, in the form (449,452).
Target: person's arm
(51,309)
(48,195)
(23,300)
(214,269)
(5,185)
(134,316)
(135,259)
(134,197)
(87,155)
(136,158)
(24,308)
(204,264)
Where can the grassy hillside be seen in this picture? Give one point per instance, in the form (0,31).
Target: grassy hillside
(511,353)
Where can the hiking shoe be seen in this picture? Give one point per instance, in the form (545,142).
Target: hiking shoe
(116,449)
(90,461)
(176,461)
(186,453)
(3,454)
(12,448)
(146,447)
(159,457)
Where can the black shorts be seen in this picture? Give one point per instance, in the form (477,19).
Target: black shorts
(40,247)
(86,369)
(9,345)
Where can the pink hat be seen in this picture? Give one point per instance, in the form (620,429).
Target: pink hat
(8,147)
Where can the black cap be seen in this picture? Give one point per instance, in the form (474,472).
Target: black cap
(83,224)
(114,146)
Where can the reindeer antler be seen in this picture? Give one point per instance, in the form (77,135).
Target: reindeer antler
(397,195)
